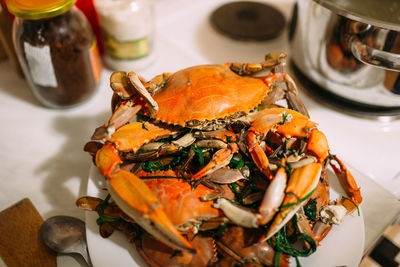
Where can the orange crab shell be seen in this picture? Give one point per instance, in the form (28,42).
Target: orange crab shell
(207,92)
(133,135)
(180,202)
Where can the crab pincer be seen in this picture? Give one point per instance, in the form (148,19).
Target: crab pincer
(132,194)
(301,184)
(333,214)
(223,156)
(135,199)
(286,122)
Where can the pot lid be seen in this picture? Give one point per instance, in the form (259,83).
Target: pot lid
(381,13)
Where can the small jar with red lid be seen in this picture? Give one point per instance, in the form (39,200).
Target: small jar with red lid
(57,50)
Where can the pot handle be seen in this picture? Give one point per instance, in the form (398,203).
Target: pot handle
(373,56)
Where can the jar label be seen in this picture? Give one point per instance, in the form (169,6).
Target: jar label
(125,50)
(40,65)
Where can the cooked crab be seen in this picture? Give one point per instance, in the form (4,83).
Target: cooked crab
(198,109)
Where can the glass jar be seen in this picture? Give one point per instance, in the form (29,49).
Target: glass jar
(57,51)
(127,30)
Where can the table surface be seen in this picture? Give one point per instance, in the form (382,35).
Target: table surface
(41,149)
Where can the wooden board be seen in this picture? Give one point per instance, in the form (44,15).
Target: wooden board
(20,243)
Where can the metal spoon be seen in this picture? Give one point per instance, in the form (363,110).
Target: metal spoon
(65,235)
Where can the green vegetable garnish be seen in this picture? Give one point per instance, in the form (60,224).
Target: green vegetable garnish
(199,154)
(299,201)
(281,244)
(358,210)
(100,210)
(311,210)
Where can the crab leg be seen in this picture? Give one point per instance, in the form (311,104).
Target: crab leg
(320,230)
(130,193)
(291,92)
(225,176)
(261,126)
(349,184)
(321,193)
(286,122)
(334,214)
(301,183)
(220,159)
(157,83)
(273,196)
(142,91)
(271,201)
(272,60)
(304,226)
(132,97)
(135,199)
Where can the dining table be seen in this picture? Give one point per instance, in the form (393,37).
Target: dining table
(41,149)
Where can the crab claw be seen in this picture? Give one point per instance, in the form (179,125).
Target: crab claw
(349,184)
(134,198)
(301,183)
(220,160)
(273,196)
(142,91)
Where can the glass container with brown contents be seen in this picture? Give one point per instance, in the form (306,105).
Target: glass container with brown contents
(57,50)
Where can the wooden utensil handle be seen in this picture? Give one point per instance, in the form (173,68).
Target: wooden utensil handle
(20,244)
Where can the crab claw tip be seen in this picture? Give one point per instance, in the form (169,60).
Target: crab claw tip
(134,198)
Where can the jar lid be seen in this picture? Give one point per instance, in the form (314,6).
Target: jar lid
(381,13)
(39,9)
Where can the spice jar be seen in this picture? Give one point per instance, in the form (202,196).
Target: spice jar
(57,50)
(127,29)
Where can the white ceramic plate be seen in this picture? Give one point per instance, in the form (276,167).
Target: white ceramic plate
(342,247)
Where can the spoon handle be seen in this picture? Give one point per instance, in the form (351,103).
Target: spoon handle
(85,255)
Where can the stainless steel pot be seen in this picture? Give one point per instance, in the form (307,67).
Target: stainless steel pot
(350,48)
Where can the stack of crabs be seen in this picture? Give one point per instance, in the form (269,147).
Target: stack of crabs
(214,172)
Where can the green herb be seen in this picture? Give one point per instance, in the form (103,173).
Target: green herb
(299,201)
(151,166)
(230,140)
(100,210)
(175,253)
(358,210)
(288,168)
(152,112)
(234,188)
(199,153)
(277,259)
(222,228)
(144,126)
(240,164)
(175,162)
(236,164)
(281,244)
(105,218)
(297,262)
(286,117)
(311,210)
